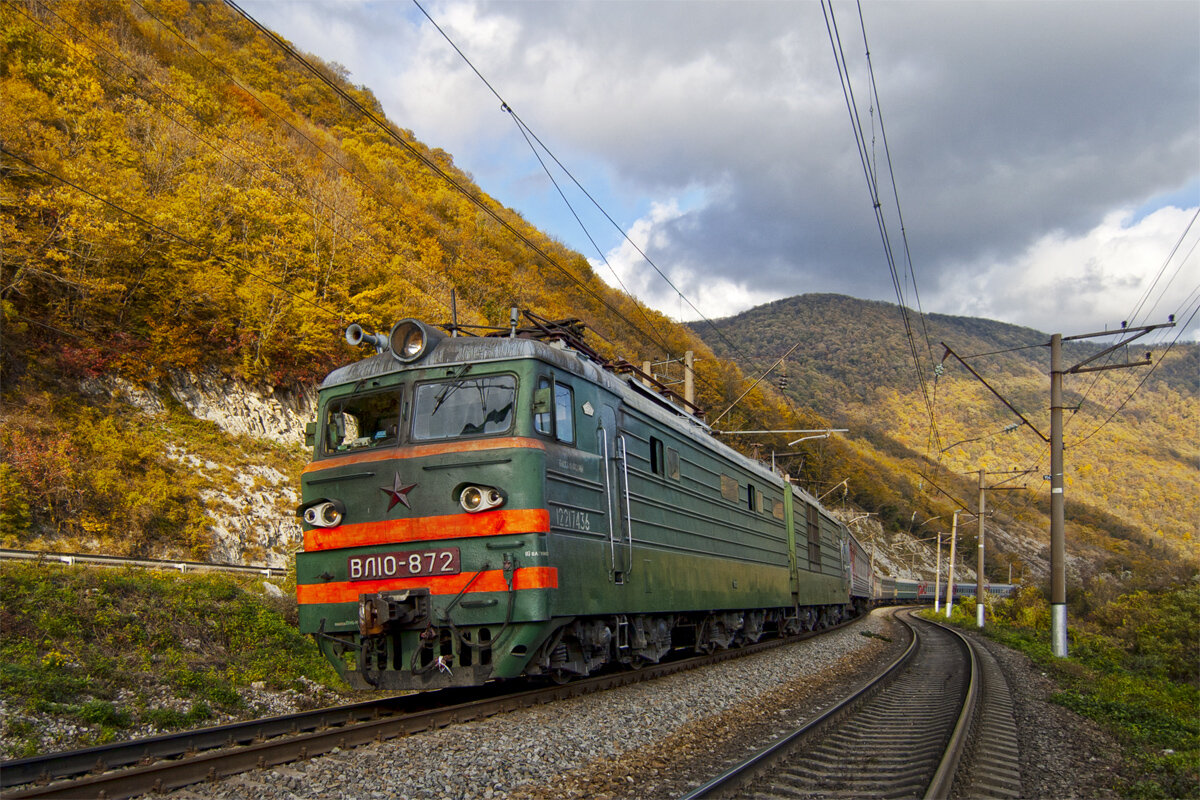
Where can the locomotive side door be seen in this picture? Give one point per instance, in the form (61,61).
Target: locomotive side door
(616,490)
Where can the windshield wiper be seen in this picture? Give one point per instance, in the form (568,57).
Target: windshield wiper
(450,388)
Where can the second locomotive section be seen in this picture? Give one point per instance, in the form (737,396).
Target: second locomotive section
(482,508)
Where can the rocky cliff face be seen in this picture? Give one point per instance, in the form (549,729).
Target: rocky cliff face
(236,407)
(251,505)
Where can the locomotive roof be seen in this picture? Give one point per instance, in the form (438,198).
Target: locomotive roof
(453,351)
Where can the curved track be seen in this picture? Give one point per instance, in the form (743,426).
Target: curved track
(172,761)
(903,734)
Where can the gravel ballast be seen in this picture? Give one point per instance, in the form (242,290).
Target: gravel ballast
(1063,755)
(631,741)
(661,738)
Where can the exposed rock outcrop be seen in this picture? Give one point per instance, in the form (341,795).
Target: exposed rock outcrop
(251,506)
(236,407)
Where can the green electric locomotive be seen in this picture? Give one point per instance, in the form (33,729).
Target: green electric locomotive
(486,507)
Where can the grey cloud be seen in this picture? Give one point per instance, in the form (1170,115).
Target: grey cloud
(1005,121)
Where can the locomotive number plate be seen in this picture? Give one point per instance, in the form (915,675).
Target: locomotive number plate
(409,564)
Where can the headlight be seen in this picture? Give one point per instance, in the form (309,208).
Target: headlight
(480,498)
(324,515)
(408,340)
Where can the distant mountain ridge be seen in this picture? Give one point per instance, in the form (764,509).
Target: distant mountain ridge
(850,347)
(1131,436)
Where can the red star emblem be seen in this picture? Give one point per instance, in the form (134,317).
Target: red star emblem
(398,493)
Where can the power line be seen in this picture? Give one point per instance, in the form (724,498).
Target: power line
(283,45)
(528,132)
(873,189)
(1142,382)
(1132,316)
(437,170)
(586,232)
(198,137)
(908,263)
(1001,352)
(1146,295)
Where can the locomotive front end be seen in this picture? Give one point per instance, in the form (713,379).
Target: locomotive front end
(425,560)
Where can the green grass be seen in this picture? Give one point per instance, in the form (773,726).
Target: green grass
(79,643)
(1133,667)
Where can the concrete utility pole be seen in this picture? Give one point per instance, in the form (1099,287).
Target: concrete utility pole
(950,571)
(1058,548)
(1058,538)
(979,579)
(1058,524)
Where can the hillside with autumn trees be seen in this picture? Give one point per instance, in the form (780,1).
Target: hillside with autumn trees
(180,193)
(181,198)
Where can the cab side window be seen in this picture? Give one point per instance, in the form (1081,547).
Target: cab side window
(543,422)
(564,413)
(559,421)
(657,463)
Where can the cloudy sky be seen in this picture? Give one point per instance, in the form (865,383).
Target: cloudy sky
(1046,154)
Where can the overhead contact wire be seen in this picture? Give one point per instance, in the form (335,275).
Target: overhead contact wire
(528,132)
(521,127)
(433,167)
(526,129)
(873,189)
(1142,382)
(1132,317)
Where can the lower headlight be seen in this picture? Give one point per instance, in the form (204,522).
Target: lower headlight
(323,515)
(480,498)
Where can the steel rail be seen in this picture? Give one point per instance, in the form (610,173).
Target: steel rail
(46,557)
(943,777)
(789,773)
(120,772)
(995,770)
(740,773)
(172,745)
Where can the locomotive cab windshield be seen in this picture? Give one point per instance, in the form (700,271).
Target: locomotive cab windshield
(362,421)
(441,409)
(452,409)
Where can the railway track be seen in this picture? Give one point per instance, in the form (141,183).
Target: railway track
(172,761)
(936,722)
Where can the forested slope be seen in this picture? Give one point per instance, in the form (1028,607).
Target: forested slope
(178,192)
